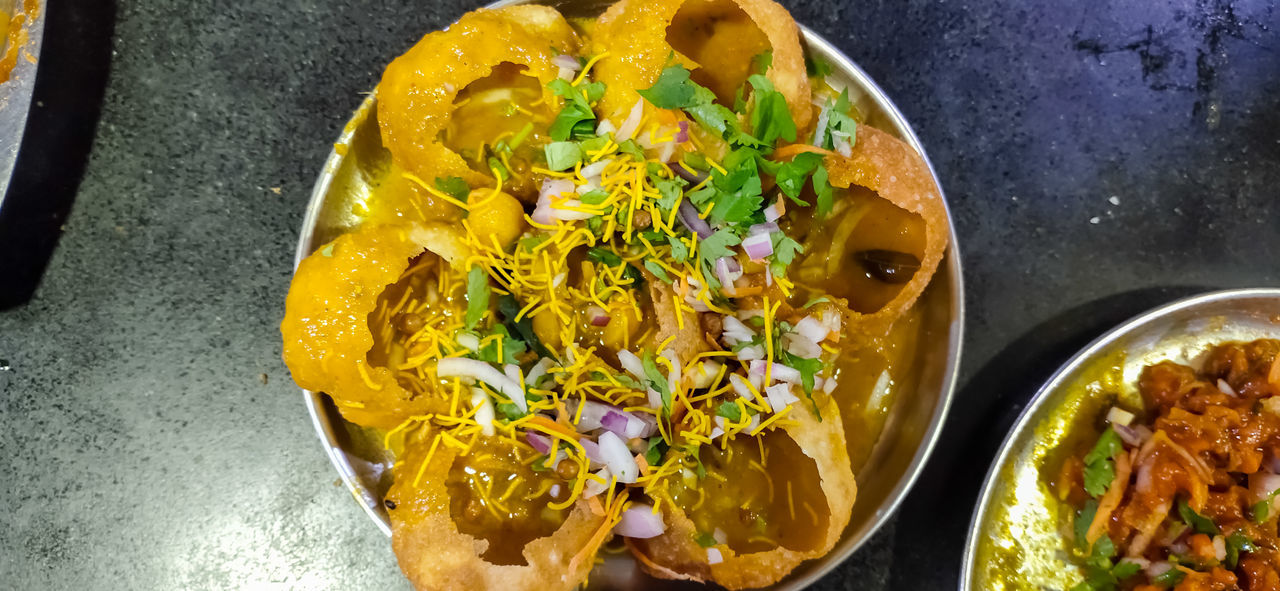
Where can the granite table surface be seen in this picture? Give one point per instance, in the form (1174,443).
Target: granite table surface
(1099,158)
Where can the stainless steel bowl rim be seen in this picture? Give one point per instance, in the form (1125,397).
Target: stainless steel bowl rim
(325,429)
(1057,380)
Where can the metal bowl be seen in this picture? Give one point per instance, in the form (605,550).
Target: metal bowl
(358,162)
(15,93)
(1015,539)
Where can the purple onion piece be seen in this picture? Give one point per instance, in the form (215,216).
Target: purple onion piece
(697,225)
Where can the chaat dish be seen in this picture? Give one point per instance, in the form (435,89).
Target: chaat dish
(1182,493)
(648,281)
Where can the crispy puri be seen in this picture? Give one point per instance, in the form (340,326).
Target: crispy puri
(715,38)
(894,172)
(429,528)
(327,337)
(808,461)
(418,92)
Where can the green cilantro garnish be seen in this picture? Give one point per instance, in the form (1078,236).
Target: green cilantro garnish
(576,119)
(631,148)
(477,296)
(657,447)
(658,272)
(594,197)
(672,90)
(509,308)
(1237,542)
(1261,510)
(657,381)
(784,252)
(562,155)
(817,67)
(611,259)
(763,61)
(1083,519)
(454,187)
(705,539)
(1099,468)
(838,119)
(1169,578)
(729,411)
(511,348)
(770,117)
(495,164)
(713,247)
(1197,522)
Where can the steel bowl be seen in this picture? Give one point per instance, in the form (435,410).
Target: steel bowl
(913,423)
(1015,536)
(15,93)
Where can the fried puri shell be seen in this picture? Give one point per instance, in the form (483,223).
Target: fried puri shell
(677,555)
(434,555)
(634,33)
(326,322)
(417,92)
(894,171)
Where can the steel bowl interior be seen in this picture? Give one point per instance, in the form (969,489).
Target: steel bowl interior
(914,422)
(1015,540)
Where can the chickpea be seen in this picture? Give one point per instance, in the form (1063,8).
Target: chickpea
(498,215)
(409,322)
(567,469)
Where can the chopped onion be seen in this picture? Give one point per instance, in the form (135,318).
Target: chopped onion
(1128,434)
(779,372)
(512,372)
(714,556)
(1119,416)
(697,225)
(673,378)
(725,272)
(775,211)
(765,228)
(595,168)
(758,247)
(655,399)
(617,457)
(1158,568)
(468,340)
(719,536)
(1226,388)
(566,74)
(538,441)
(628,127)
(741,386)
(537,372)
(605,127)
(665,151)
(478,370)
(592,450)
(735,331)
(567,62)
(811,329)
(682,136)
(801,347)
(751,353)
(842,143)
(819,133)
(592,488)
(780,396)
(828,385)
(625,424)
(544,212)
(640,522)
(484,411)
(1262,485)
(704,372)
(632,364)
(598,316)
(1219,548)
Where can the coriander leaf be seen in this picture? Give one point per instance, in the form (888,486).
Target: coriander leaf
(692,450)
(630,147)
(509,410)
(729,411)
(1261,510)
(594,197)
(1083,519)
(1169,578)
(679,250)
(495,164)
(575,117)
(1099,469)
(1125,569)
(672,89)
(477,296)
(607,257)
(701,196)
(763,61)
(454,187)
(657,381)
(562,155)
(784,252)
(658,272)
(705,539)
(1103,547)
(657,447)
(1199,523)
(717,245)
(792,175)
(509,308)
(770,117)
(1238,542)
(823,189)
(816,67)
(669,189)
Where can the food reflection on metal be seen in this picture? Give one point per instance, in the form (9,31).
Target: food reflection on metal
(907,407)
(23,31)
(1016,540)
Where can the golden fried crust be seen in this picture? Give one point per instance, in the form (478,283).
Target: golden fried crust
(633,32)
(326,322)
(415,98)
(676,555)
(888,166)
(436,556)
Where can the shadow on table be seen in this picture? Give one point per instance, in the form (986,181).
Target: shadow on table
(74,64)
(933,522)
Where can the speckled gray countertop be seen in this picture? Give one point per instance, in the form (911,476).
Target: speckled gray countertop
(1099,159)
